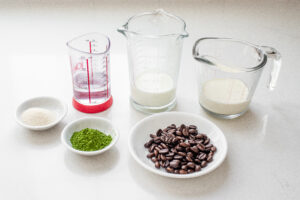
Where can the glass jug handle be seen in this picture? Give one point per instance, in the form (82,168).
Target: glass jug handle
(275,67)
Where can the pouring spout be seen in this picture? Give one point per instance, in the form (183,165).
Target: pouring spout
(123,30)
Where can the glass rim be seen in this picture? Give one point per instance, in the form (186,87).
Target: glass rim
(183,33)
(261,64)
(88,53)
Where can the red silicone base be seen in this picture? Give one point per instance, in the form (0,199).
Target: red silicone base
(93,108)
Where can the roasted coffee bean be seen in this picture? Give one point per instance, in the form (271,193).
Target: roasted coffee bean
(159,157)
(179,133)
(191,165)
(189,159)
(202,156)
(183,144)
(199,136)
(180,149)
(184,167)
(167,163)
(173,150)
(185,132)
(159,132)
(169,158)
(157,148)
(157,165)
(151,149)
(181,153)
(192,139)
(157,140)
(182,126)
(163,151)
(192,131)
(203,164)
(192,127)
(209,158)
(175,163)
(180,138)
(147,144)
(155,153)
(190,154)
(170,154)
(178,157)
(150,155)
(213,149)
(201,147)
(197,168)
(187,149)
(200,141)
(171,131)
(170,170)
(162,157)
(195,149)
(206,141)
(163,146)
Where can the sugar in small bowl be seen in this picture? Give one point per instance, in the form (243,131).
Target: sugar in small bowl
(40,113)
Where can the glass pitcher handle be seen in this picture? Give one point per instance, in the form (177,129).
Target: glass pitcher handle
(275,67)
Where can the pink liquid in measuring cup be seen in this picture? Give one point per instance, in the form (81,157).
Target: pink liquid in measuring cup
(97,93)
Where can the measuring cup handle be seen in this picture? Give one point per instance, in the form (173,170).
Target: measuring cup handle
(275,67)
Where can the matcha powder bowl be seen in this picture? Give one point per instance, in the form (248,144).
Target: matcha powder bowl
(89,136)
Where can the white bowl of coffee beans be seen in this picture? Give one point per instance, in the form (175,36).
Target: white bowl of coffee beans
(177,144)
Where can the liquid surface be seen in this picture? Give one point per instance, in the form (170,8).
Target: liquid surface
(153,89)
(99,90)
(224,96)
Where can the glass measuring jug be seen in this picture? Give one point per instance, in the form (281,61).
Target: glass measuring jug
(89,59)
(228,72)
(154,43)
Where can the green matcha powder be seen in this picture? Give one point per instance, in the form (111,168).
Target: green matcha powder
(90,140)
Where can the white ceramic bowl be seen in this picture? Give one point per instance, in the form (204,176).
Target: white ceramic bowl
(49,103)
(139,135)
(98,123)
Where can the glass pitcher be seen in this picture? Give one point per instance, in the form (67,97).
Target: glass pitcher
(154,43)
(228,73)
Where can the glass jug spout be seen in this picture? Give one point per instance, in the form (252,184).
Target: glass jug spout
(155,24)
(273,54)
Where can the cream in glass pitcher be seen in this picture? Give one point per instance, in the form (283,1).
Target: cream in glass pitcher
(228,73)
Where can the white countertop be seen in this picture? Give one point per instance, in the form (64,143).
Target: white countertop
(263,158)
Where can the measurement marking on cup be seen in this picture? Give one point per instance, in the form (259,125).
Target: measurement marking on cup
(106,75)
(90,43)
(88,76)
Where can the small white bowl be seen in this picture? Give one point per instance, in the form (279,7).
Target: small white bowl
(98,123)
(50,103)
(139,135)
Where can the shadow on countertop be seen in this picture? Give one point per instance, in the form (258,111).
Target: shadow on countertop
(194,187)
(39,139)
(91,165)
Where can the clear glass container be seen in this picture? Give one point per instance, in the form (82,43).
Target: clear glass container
(154,44)
(228,72)
(89,60)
